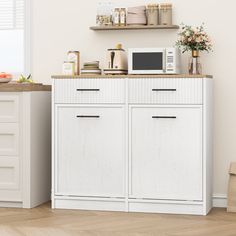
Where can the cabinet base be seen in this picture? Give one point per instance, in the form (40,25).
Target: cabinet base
(90,204)
(133,205)
(11,204)
(168,208)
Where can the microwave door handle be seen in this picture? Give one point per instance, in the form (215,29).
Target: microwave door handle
(164,61)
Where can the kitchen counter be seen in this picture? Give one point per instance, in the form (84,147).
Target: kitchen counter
(129,76)
(17,87)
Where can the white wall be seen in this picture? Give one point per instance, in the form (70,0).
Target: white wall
(62,25)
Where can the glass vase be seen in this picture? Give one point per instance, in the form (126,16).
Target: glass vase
(195,66)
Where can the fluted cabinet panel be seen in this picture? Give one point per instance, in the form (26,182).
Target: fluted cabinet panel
(165,91)
(84,91)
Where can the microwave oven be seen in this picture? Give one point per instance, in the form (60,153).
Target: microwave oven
(154,61)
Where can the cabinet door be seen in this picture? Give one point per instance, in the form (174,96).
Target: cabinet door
(90,151)
(166,153)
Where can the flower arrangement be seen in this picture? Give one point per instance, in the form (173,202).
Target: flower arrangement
(194,39)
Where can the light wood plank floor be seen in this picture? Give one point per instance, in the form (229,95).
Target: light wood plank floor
(43,221)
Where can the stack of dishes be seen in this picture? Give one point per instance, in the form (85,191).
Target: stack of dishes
(91,68)
(136,15)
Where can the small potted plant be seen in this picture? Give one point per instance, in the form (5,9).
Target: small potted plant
(24,79)
(196,40)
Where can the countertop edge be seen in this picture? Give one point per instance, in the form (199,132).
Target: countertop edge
(130,76)
(16,87)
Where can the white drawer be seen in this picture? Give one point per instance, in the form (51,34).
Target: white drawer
(9,139)
(9,108)
(84,91)
(9,173)
(165,91)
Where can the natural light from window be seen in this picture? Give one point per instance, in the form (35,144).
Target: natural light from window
(12,36)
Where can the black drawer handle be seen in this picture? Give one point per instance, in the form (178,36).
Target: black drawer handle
(84,116)
(88,90)
(164,117)
(164,90)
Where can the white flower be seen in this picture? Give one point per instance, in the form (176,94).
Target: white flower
(187,33)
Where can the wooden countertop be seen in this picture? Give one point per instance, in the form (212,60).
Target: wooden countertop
(129,76)
(17,87)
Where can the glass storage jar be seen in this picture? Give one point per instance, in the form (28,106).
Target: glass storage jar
(152,12)
(166,14)
(104,13)
(122,16)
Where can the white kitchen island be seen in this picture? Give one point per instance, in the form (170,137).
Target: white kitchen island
(133,143)
(25,144)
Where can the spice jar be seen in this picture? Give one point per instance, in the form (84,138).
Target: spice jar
(122,16)
(116,17)
(166,14)
(152,12)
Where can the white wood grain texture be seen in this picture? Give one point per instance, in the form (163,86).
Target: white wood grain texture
(9,107)
(91,151)
(188,91)
(185,174)
(166,153)
(110,91)
(9,139)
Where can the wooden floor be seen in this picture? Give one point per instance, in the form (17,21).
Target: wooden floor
(43,221)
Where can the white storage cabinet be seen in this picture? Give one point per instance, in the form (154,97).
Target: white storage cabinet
(133,144)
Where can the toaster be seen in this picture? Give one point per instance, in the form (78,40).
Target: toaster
(116,61)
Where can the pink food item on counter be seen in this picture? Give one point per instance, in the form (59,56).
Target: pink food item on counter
(4,75)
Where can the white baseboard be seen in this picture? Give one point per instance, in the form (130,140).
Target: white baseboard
(219,200)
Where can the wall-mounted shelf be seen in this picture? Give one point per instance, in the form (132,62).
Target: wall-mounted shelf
(134,27)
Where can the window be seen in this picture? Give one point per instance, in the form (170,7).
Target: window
(12,36)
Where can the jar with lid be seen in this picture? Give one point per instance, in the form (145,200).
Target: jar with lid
(116,17)
(152,12)
(122,16)
(166,14)
(104,13)
(74,56)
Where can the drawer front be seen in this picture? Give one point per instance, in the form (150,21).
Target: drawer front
(9,108)
(9,139)
(10,179)
(84,91)
(165,91)
(9,173)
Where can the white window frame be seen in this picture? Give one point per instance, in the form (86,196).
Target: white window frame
(27,37)
(27,40)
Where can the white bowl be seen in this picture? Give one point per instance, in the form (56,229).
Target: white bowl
(5,80)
